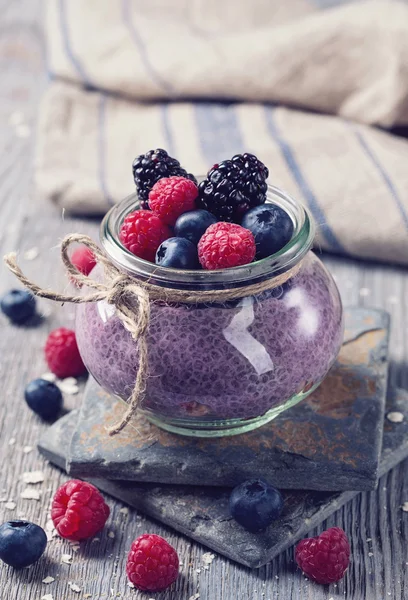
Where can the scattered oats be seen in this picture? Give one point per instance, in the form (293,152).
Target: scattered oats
(111,534)
(48,580)
(33,477)
(395,417)
(124,510)
(207,558)
(23,131)
(12,441)
(369,540)
(47,597)
(68,386)
(16,118)
(31,254)
(49,377)
(405,507)
(370,554)
(49,526)
(364,292)
(194,596)
(66,559)
(276,576)
(10,505)
(87,595)
(27,449)
(198,571)
(131,585)
(74,587)
(30,494)
(96,540)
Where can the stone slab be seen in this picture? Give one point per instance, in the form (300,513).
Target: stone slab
(202,512)
(330,441)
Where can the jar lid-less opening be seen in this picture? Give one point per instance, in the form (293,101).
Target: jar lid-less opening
(271,266)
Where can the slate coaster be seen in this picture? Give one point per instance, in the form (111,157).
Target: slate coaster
(330,441)
(202,512)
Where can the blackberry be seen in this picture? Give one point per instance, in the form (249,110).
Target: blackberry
(152,166)
(234,186)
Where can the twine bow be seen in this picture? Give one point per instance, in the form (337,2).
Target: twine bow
(132,299)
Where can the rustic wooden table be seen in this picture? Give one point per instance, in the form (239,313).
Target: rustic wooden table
(375,522)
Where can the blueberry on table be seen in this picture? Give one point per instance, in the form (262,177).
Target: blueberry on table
(255,504)
(193,224)
(177,253)
(44,398)
(21,543)
(271,227)
(18,305)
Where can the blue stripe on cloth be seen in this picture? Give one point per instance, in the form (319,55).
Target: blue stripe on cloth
(150,69)
(101,149)
(78,66)
(167,129)
(218,131)
(294,167)
(386,178)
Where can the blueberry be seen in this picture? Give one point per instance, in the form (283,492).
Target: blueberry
(21,543)
(178,253)
(271,226)
(18,305)
(44,398)
(254,504)
(192,224)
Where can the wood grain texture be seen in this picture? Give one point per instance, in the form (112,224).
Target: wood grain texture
(379,568)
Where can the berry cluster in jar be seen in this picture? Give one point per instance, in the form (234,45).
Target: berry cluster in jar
(220,223)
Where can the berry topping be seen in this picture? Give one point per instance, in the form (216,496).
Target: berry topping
(234,186)
(152,564)
(324,558)
(271,226)
(142,232)
(83,259)
(18,305)
(78,510)
(62,354)
(193,224)
(21,543)
(170,197)
(44,398)
(177,253)
(254,504)
(226,245)
(152,166)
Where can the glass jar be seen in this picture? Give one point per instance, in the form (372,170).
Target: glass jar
(220,368)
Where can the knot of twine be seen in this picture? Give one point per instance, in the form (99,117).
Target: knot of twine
(132,299)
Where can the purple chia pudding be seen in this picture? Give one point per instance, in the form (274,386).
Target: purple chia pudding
(215,362)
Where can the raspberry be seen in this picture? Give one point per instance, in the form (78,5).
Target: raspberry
(78,510)
(152,564)
(83,259)
(226,245)
(142,232)
(324,558)
(62,354)
(170,197)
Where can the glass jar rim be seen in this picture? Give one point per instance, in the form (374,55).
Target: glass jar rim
(271,266)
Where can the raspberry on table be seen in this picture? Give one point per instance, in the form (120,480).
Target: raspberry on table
(226,245)
(142,232)
(152,166)
(83,259)
(324,558)
(170,197)
(62,354)
(78,510)
(234,186)
(152,564)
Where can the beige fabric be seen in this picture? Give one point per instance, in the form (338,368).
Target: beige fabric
(351,60)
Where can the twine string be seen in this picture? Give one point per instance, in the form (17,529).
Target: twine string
(132,299)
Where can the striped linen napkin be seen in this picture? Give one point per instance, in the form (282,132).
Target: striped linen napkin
(128,76)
